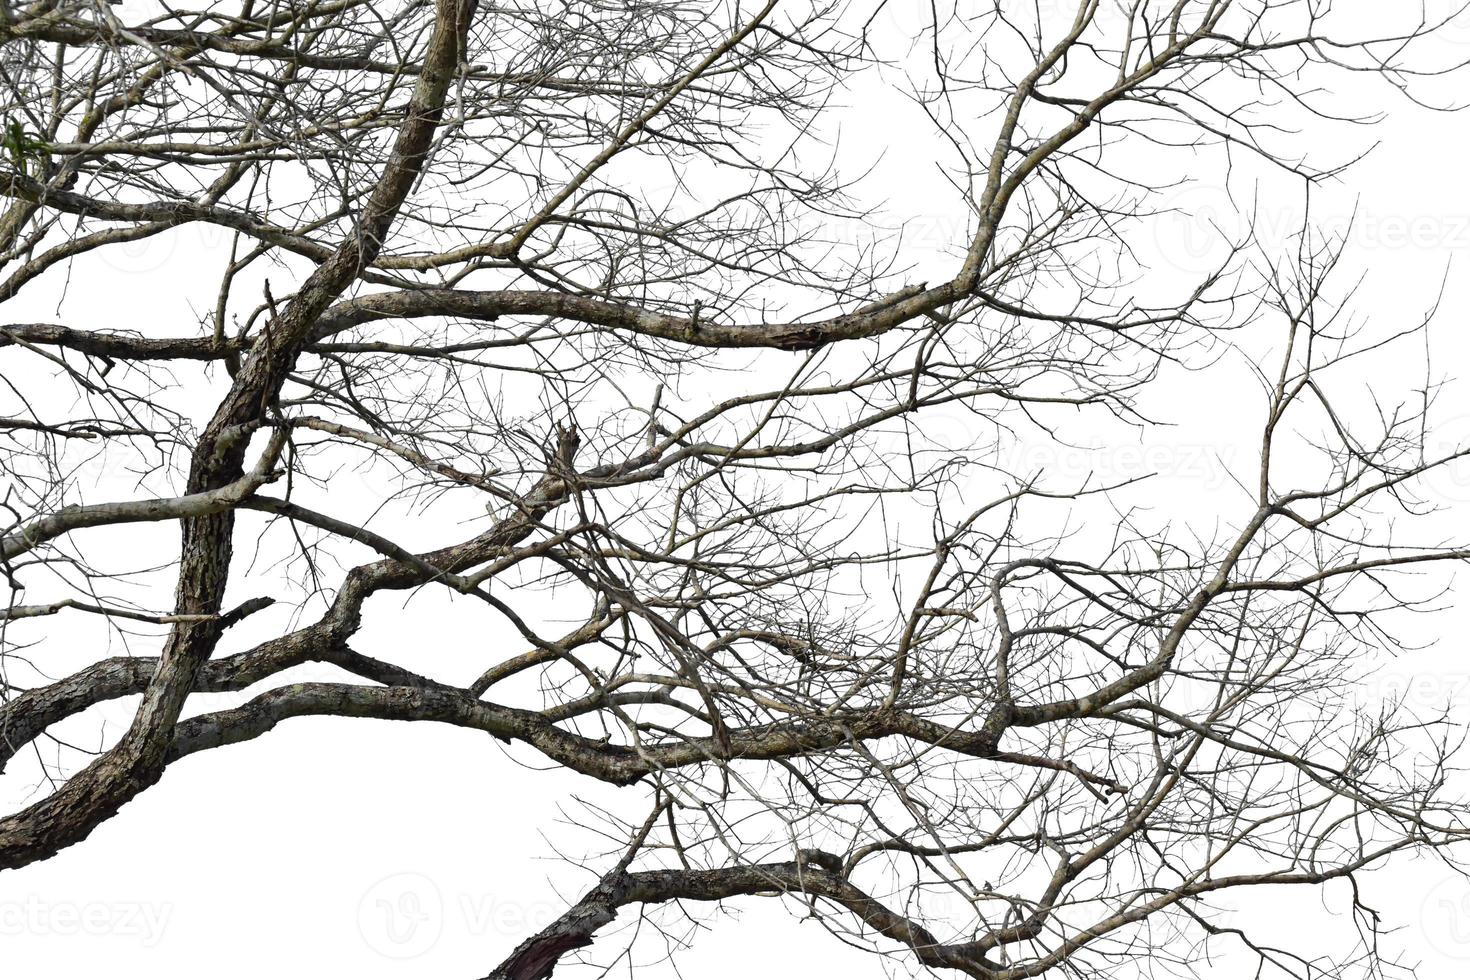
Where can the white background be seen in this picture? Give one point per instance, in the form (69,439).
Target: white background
(380,850)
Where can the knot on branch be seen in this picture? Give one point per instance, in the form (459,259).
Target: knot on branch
(815,857)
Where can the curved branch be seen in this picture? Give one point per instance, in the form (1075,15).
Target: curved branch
(814,874)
